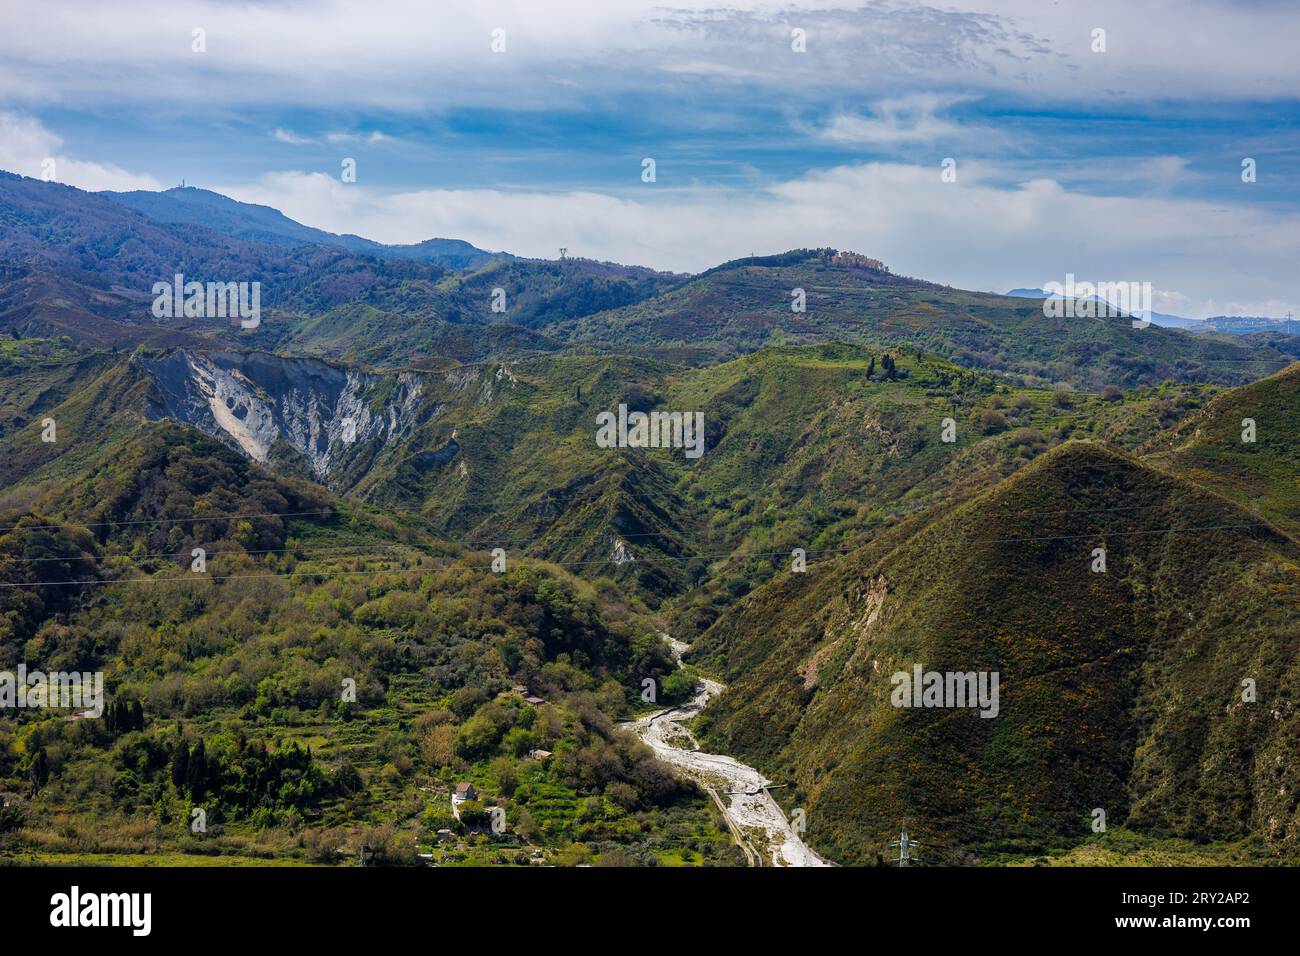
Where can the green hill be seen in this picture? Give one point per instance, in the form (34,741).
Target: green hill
(744,306)
(1209,447)
(812,447)
(1121,692)
(228,688)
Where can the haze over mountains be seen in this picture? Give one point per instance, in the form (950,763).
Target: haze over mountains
(947,461)
(1215,323)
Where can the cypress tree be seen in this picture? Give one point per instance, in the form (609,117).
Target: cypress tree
(196,776)
(180,764)
(40,771)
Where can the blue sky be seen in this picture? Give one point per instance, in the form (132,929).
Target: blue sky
(1117,165)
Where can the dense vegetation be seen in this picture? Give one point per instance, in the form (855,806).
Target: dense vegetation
(305,659)
(1123,692)
(229,689)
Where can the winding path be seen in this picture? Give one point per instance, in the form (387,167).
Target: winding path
(756,821)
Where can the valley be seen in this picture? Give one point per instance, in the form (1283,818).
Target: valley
(757,822)
(367,579)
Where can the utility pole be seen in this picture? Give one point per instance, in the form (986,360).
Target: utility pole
(563,251)
(905,847)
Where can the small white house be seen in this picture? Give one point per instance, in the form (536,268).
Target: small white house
(463,792)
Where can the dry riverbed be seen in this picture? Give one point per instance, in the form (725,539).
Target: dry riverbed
(757,822)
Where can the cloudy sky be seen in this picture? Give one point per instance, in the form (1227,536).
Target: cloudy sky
(771,126)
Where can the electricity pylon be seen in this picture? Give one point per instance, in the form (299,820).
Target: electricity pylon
(905,847)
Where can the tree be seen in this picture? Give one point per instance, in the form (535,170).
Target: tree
(680,685)
(622,795)
(525,826)
(477,738)
(40,770)
(466,700)
(347,779)
(518,741)
(196,776)
(436,745)
(573,854)
(616,856)
(474,814)
(180,764)
(507,777)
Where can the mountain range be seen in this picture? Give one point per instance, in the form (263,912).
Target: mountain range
(1216,323)
(189,205)
(393,480)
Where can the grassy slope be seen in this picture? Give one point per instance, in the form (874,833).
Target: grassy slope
(94,401)
(1118,693)
(1207,447)
(807,447)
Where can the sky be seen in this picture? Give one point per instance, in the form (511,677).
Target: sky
(1113,156)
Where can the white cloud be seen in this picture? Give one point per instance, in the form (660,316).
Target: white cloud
(28,148)
(907,119)
(415,56)
(290,137)
(970,234)
(369,139)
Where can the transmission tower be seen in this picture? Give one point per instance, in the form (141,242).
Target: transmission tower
(905,846)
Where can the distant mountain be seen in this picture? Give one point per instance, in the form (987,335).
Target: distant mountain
(241,220)
(1233,324)
(328,300)
(101,243)
(1246,324)
(1157,318)
(749,304)
(83,264)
